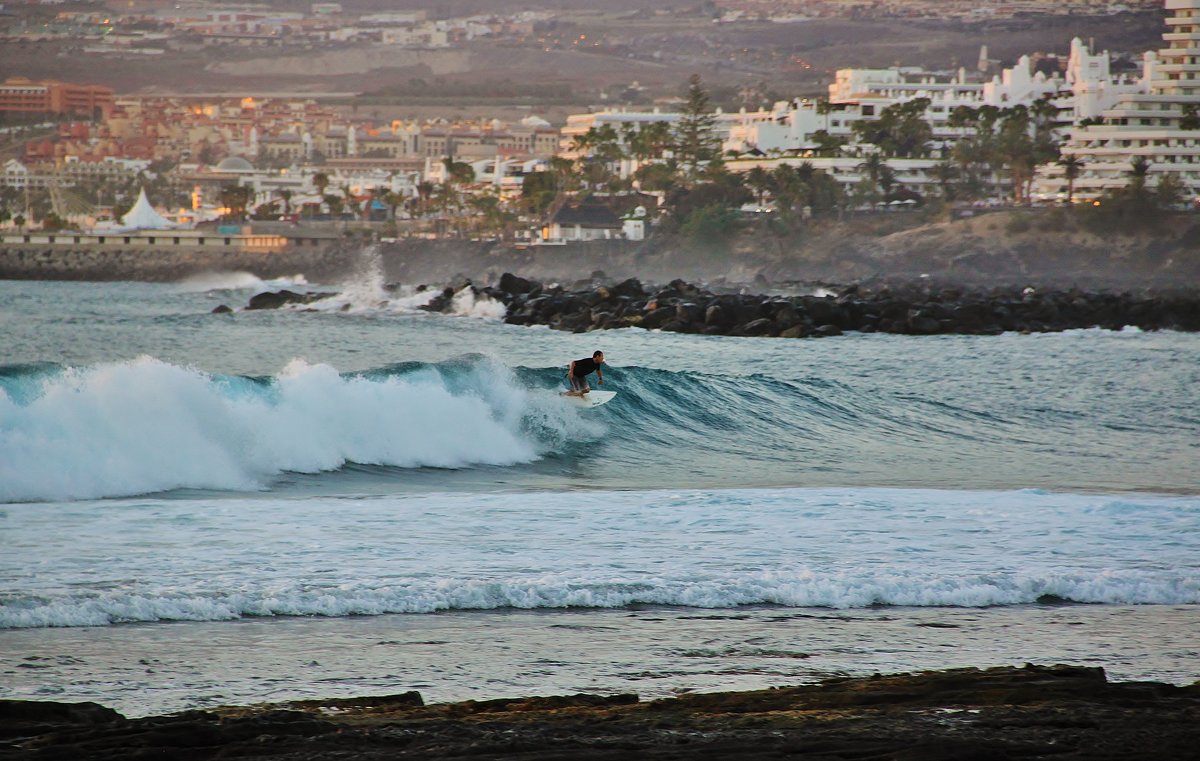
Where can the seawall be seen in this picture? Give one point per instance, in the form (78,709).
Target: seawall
(161,264)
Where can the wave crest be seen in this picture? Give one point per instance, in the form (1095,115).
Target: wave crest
(147,426)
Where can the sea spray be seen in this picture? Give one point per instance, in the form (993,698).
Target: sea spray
(146,426)
(469,304)
(236,281)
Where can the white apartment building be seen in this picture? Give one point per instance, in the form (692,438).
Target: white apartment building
(788,132)
(619,119)
(1087,88)
(1145,123)
(1093,87)
(913,174)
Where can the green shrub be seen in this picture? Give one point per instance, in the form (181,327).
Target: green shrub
(1016,224)
(711,226)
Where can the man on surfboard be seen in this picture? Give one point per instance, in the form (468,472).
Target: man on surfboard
(579,370)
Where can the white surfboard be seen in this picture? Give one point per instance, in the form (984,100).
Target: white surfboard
(591,399)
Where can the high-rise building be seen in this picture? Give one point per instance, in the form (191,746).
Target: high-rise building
(1159,123)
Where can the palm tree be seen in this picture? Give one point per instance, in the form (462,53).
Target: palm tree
(1138,173)
(321,181)
(1072,166)
(234,198)
(286,195)
(1191,117)
(335,205)
(425,191)
(393,201)
(944,172)
(873,166)
(758,180)
(656,138)
(789,189)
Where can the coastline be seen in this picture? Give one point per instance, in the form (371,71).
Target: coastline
(977,251)
(1029,712)
(155,265)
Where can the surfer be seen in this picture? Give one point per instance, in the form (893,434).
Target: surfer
(579,370)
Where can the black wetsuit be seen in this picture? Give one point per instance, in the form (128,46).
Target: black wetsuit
(584,367)
(578,375)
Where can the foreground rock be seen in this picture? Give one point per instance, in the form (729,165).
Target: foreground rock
(1059,712)
(907,308)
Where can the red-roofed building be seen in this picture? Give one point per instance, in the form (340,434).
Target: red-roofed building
(21,95)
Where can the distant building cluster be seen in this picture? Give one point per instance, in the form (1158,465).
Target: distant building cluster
(297,150)
(148,28)
(1157,122)
(962,10)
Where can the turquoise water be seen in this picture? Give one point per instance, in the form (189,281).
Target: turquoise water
(1083,410)
(171,478)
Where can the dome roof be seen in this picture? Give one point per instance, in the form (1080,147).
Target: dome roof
(235,164)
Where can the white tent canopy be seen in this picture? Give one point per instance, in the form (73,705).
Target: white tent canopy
(143,216)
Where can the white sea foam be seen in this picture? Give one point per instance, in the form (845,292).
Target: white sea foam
(467,304)
(365,296)
(146,426)
(560,591)
(112,562)
(236,281)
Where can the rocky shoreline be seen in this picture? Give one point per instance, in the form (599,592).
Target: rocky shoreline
(904,308)
(912,309)
(1033,712)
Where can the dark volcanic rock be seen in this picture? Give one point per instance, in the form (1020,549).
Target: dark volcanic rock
(1060,712)
(510,283)
(906,307)
(276,299)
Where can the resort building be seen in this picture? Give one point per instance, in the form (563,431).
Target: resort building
(1157,123)
(21,95)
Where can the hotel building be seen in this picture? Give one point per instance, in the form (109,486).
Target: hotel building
(1157,123)
(20,95)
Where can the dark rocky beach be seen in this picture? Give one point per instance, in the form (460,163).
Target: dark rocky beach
(1034,712)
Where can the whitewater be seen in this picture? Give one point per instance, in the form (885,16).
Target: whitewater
(193,504)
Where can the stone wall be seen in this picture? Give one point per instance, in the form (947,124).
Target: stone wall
(144,263)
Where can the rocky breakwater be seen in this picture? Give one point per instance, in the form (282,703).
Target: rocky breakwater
(1034,712)
(914,309)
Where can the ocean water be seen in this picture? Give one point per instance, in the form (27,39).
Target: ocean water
(357,497)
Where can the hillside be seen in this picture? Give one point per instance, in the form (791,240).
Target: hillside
(1042,249)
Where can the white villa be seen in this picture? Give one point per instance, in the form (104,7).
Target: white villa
(1148,122)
